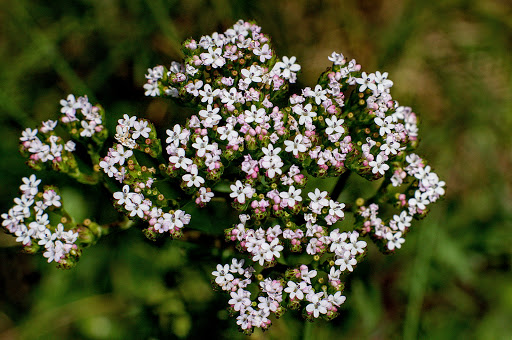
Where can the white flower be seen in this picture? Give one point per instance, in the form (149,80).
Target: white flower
(210,116)
(123,136)
(252,74)
(45,237)
(275,167)
(391,146)
(346,261)
(108,166)
(385,124)
(336,209)
(48,126)
(137,205)
(227,132)
(338,244)
(240,192)
(207,94)
(319,94)
(88,128)
(255,115)
(403,221)
(51,253)
(229,97)
(237,266)
(180,160)
(39,225)
(292,196)
(69,236)
(295,146)
(204,195)
(192,178)
(366,81)
(419,201)
(337,299)
(270,152)
(264,52)
(213,58)
(395,240)
(334,274)
(120,154)
(288,66)
(267,305)
(317,305)
(56,251)
(69,106)
(23,204)
(337,58)
(240,299)
(127,121)
(123,196)
(305,114)
(194,88)
(379,165)
(29,186)
(151,88)
(24,235)
(334,125)
(28,135)
(51,198)
(177,135)
(155,73)
(296,290)
(244,320)
(306,274)
(271,250)
(355,245)
(173,221)
(141,128)
(70,146)
(222,275)
(382,81)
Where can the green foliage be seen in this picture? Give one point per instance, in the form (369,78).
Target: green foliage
(450,60)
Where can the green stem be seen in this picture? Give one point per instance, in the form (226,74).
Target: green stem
(70,221)
(307,332)
(91,179)
(340,184)
(91,231)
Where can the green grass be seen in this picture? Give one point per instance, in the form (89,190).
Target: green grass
(450,60)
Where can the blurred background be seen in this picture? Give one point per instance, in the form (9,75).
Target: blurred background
(450,60)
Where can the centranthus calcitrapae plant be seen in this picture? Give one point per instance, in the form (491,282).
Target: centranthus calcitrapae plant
(254,146)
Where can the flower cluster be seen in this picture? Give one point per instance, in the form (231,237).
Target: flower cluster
(135,204)
(29,221)
(424,188)
(274,295)
(346,122)
(53,149)
(131,134)
(253,144)
(46,148)
(82,118)
(145,201)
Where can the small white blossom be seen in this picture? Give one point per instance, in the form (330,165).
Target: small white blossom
(222,275)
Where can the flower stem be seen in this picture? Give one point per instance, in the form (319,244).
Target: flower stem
(91,179)
(340,184)
(90,232)
(307,332)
